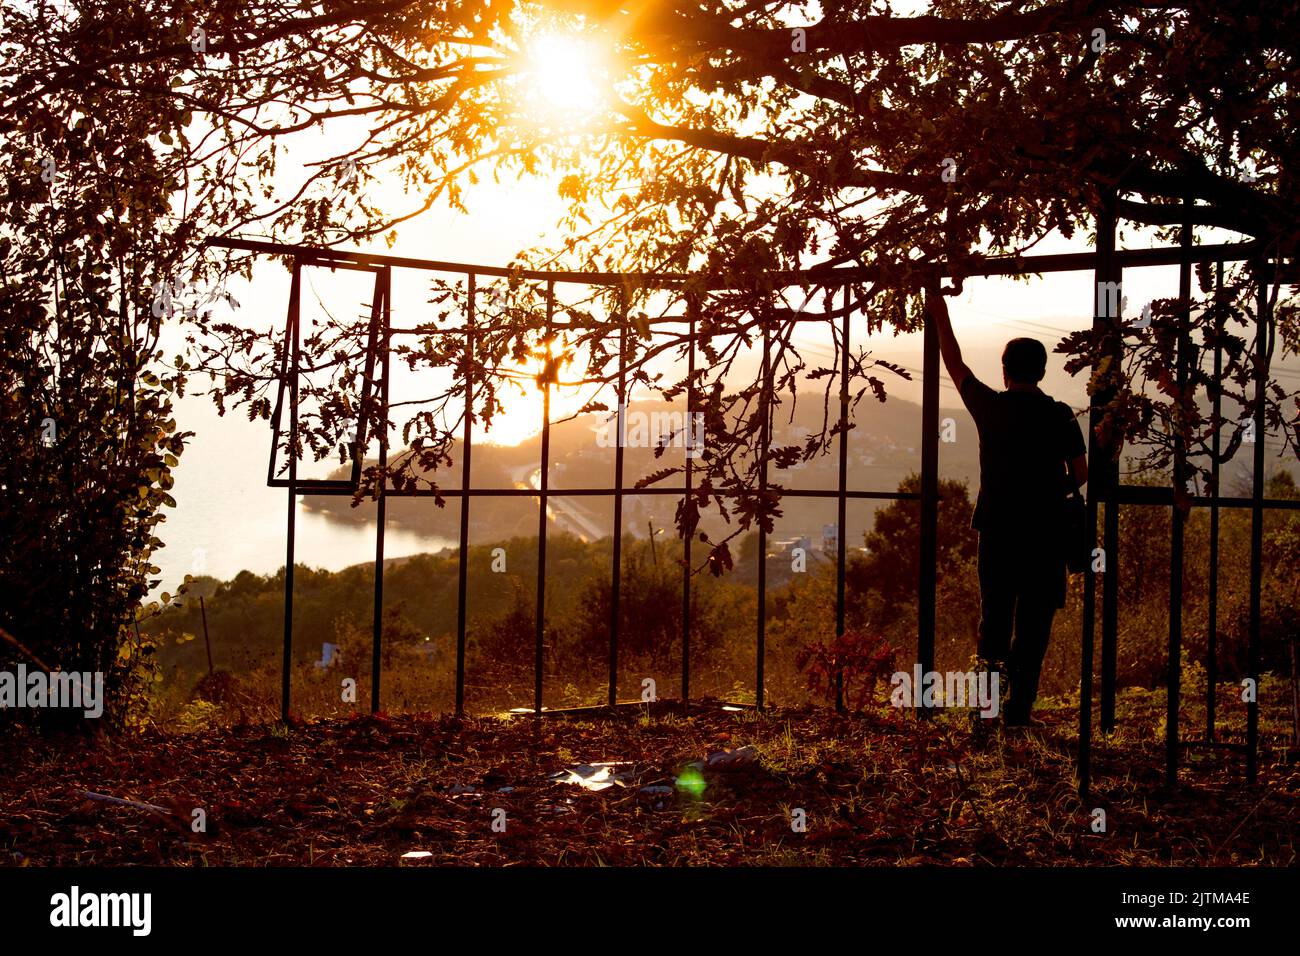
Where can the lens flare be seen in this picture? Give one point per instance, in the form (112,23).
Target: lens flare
(691,780)
(564,75)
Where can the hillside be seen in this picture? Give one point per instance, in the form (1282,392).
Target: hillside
(883,449)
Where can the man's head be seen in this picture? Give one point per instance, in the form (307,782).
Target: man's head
(1024,362)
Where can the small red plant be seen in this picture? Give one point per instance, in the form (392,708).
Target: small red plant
(859,658)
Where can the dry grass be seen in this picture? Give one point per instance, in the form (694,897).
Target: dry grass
(877,788)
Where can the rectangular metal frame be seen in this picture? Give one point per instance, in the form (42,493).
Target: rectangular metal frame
(1107,263)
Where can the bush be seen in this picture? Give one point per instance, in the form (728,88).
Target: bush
(858,658)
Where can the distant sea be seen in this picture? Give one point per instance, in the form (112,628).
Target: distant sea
(227,520)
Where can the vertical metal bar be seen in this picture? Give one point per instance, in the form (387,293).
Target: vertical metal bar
(368,380)
(1262,352)
(692,308)
(291,344)
(765,406)
(1086,649)
(383,284)
(929,553)
(1110,600)
(207,641)
(1173,681)
(1104,473)
(541,505)
(1212,638)
(277,412)
(466,448)
(842,513)
(1105,247)
(617,560)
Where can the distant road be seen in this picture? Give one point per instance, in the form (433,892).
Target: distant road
(568,513)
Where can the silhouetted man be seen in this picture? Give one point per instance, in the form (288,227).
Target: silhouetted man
(1030,447)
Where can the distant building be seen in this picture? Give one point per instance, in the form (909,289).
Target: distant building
(787,545)
(830,538)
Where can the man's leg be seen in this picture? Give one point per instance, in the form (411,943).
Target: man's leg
(997,604)
(1034,613)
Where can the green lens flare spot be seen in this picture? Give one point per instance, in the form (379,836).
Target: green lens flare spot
(692,781)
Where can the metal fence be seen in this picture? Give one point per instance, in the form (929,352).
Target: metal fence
(1104,487)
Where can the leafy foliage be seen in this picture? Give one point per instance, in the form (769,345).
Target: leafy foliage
(85,403)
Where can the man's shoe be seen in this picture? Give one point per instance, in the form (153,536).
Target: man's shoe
(1015,716)
(1021,722)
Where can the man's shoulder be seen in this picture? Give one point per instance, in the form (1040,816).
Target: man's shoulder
(975,386)
(979,399)
(1064,422)
(1058,407)
(1064,409)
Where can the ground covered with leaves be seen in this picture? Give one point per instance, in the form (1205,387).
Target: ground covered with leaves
(645,786)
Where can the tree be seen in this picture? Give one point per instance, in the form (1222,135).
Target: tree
(85,410)
(891,566)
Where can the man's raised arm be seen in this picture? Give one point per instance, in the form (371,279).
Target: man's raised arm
(936,311)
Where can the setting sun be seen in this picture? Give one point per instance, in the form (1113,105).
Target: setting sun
(564,75)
